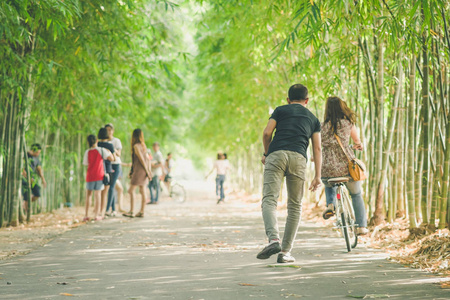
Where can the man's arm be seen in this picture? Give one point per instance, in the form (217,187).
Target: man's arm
(158,162)
(317,153)
(267,137)
(40,172)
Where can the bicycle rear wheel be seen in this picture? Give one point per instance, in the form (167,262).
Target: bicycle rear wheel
(178,193)
(352,231)
(345,232)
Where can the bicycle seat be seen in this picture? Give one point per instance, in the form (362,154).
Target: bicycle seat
(337,180)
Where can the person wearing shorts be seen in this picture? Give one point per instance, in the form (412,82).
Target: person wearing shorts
(35,170)
(168,167)
(93,159)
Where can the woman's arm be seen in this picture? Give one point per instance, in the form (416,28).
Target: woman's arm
(109,154)
(355,137)
(141,159)
(212,170)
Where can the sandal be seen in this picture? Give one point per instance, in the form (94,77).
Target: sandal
(139,215)
(86,219)
(329,212)
(128,214)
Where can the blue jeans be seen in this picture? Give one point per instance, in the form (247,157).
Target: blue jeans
(156,186)
(354,188)
(220,179)
(114,177)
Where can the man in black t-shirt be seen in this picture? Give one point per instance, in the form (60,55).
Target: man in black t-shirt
(286,156)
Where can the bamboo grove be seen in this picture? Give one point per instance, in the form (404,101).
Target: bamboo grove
(388,59)
(69,67)
(205,75)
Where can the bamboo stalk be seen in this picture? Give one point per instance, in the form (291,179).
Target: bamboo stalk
(424,120)
(410,152)
(378,214)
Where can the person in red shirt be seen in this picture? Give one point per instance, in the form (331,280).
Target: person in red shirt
(93,159)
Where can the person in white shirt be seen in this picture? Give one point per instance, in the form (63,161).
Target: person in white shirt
(116,169)
(158,172)
(221,165)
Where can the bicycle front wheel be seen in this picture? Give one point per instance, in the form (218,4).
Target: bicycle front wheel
(345,231)
(178,193)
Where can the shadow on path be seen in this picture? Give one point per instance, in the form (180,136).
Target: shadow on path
(200,250)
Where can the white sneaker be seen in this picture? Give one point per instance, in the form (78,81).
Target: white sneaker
(285,258)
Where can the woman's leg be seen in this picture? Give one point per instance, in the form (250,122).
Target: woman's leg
(131,192)
(330,195)
(222,191)
(143,198)
(97,204)
(114,176)
(217,185)
(88,202)
(119,189)
(104,196)
(354,187)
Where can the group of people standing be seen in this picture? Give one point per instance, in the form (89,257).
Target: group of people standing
(285,155)
(103,161)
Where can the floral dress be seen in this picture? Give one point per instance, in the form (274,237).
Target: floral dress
(334,161)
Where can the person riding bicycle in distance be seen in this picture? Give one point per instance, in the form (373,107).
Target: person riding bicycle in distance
(340,120)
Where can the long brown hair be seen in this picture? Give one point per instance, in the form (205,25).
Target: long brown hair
(136,138)
(335,110)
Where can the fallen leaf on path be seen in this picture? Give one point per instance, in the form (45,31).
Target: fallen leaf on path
(291,295)
(89,279)
(173,233)
(376,296)
(247,284)
(445,285)
(318,255)
(284,266)
(62,283)
(66,294)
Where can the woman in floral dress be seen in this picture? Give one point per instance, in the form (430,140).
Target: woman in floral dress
(339,119)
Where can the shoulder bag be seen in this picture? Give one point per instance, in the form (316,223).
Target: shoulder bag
(356,167)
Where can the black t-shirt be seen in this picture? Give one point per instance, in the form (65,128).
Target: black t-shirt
(110,147)
(295,126)
(33,161)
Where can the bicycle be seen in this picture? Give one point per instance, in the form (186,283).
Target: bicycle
(177,191)
(345,215)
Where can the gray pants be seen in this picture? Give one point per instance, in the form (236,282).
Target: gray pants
(278,165)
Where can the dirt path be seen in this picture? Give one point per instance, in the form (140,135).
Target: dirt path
(200,250)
